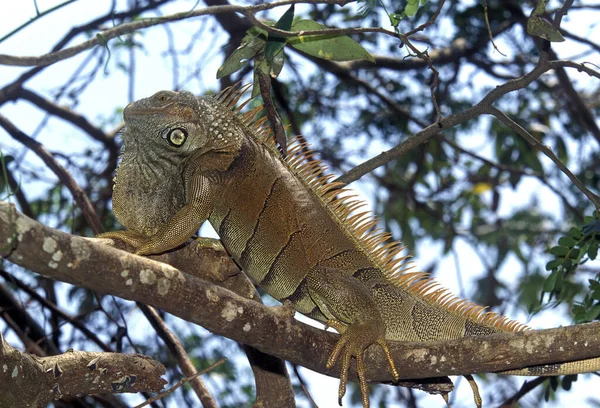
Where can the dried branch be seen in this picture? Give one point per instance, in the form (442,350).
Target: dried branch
(580,111)
(429,22)
(103,37)
(561,12)
(183,381)
(525,388)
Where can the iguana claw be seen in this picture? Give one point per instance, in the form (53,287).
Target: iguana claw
(354,342)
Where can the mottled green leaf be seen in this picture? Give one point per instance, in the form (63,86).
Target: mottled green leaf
(328,47)
(242,55)
(538,27)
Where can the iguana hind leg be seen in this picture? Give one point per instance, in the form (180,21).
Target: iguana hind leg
(349,308)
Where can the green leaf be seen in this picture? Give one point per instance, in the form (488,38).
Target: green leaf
(567,242)
(559,251)
(411,9)
(593,250)
(275,42)
(575,232)
(328,47)
(550,282)
(574,254)
(553,264)
(561,150)
(242,55)
(592,313)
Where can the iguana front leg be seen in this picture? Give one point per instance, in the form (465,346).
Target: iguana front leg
(349,308)
(179,228)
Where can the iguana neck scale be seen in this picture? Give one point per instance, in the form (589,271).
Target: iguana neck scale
(302,238)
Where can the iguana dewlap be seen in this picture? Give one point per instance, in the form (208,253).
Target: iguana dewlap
(187,159)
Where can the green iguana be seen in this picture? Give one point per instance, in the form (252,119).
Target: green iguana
(298,235)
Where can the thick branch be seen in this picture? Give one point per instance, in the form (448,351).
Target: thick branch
(89,264)
(31,381)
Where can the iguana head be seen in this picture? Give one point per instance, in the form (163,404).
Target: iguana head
(164,121)
(179,122)
(168,136)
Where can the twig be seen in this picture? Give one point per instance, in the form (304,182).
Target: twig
(311,401)
(272,114)
(489,29)
(37,17)
(63,174)
(561,12)
(525,388)
(434,81)
(429,22)
(595,199)
(180,383)
(177,349)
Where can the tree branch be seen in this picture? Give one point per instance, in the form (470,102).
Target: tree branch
(90,264)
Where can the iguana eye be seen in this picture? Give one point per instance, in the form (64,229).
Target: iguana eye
(162,96)
(176,137)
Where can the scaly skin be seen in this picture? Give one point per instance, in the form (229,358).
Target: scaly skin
(189,159)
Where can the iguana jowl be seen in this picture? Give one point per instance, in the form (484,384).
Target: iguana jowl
(188,159)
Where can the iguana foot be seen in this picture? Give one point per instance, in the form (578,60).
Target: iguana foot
(129,237)
(142,244)
(355,339)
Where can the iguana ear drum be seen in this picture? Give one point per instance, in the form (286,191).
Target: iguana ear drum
(176,137)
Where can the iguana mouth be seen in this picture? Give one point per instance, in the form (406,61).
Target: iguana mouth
(130,110)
